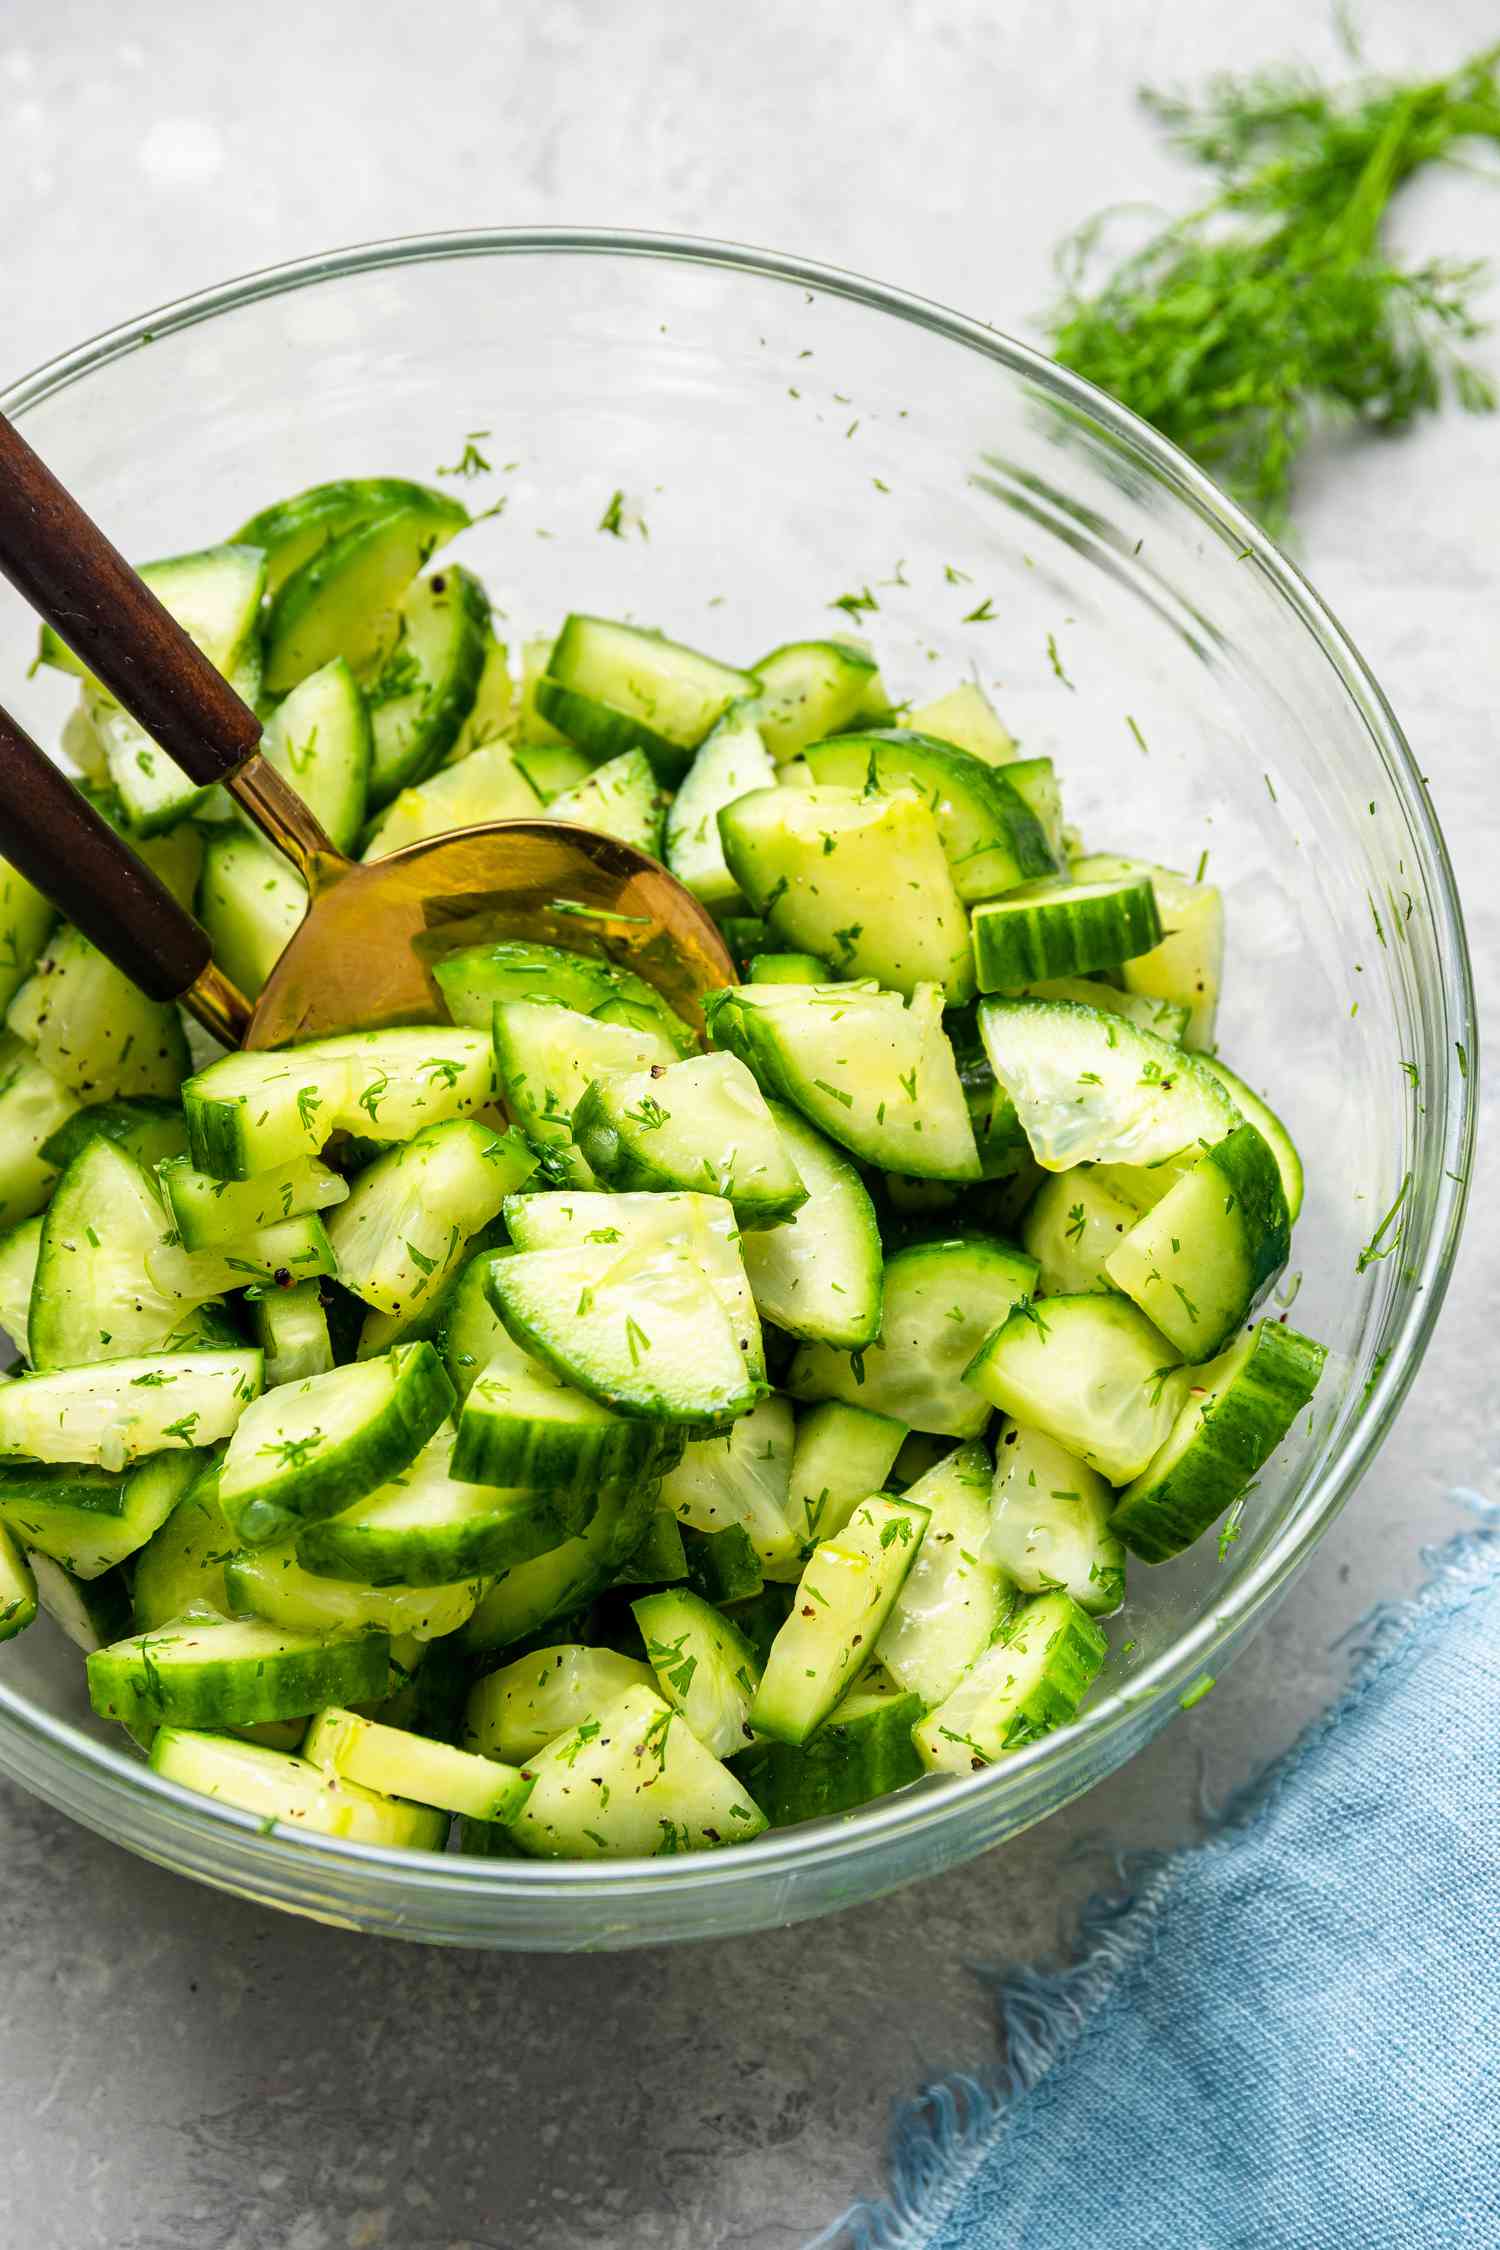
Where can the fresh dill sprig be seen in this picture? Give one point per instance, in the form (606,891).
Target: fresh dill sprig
(1277,304)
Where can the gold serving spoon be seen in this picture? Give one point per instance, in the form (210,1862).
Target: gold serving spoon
(363,955)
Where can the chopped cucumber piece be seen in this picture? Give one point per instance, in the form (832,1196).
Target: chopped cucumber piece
(842,1602)
(1199,1261)
(1237,1412)
(733,761)
(291,1328)
(1049,1522)
(93,1029)
(865,1750)
(34,1106)
(514,1713)
(87,1518)
(723,1566)
(530,1595)
(659,1557)
(625,688)
(701,1124)
(1054,929)
(18,1256)
(474,979)
(320,740)
(92,1296)
(818,1273)
(966,718)
(206,1211)
(956,1595)
(992,839)
(1075,1224)
(840,1456)
(91,1611)
(395,1763)
(619,798)
(704,1666)
(489,721)
(1090,1088)
(181,1565)
(941,1301)
(221,1672)
(872,1071)
(635,1782)
(1268,1125)
(296,1250)
(1091,1372)
(547,1058)
(810,689)
(425,1528)
(426,681)
(1188,965)
(1167,1018)
(251,903)
(291,532)
(346,599)
(472,1331)
(1030,1680)
(787,968)
(414,1210)
(279,1789)
(111,1415)
(487,785)
(26,920)
(856,877)
(271,1583)
(741,1479)
(150,1130)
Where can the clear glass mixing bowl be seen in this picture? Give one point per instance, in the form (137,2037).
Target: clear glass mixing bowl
(793,436)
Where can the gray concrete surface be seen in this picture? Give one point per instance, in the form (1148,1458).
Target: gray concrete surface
(179,2072)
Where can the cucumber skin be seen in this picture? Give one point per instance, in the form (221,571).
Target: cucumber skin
(124,1685)
(722,1566)
(1159,1522)
(571,1461)
(839,1768)
(604,733)
(1013,949)
(442,717)
(480,1546)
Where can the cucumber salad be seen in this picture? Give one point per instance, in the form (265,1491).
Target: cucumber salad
(622,1435)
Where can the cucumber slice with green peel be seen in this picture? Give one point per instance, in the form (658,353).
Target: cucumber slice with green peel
(425,683)
(603,733)
(810,689)
(530,1595)
(296,1250)
(89,1519)
(840,1456)
(34,1106)
(1188,965)
(787,968)
(956,1596)
(659,1558)
(1167,1018)
(345,600)
(270,1583)
(1057,929)
(514,1713)
(634,1782)
(941,1301)
(181,1565)
(1200,1261)
(704,1666)
(319,739)
(697,1125)
(1030,1680)
(206,1211)
(310,1449)
(673,694)
(472,1331)
(1090,1372)
(619,798)
(489,722)
(703,1225)
(547,1057)
(1034,781)
(723,1566)
(26,923)
(741,1479)
(18,1594)
(396,1763)
(290,532)
(857,877)
(149,1129)
(864,1751)
(817,1275)
(843,1599)
(92,1295)
(251,903)
(1237,1412)
(488,785)
(18,1256)
(109,1416)
(522,1425)
(93,1029)
(291,1328)
(1075,1224)
(220,1672)
(644,1333)
(1268,1125)
(474,979)
(425,1528)
(733,761)
(551,767)
(1090,1088)
(92,1612)
(534,731)
(872,1071)
(990,836)
(427,1319)
(414,1210)
(282,1790)
(967,719)
(1049,1522)
(250,1111)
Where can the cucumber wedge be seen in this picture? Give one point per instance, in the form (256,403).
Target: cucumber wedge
(1053,929)
(840,1456)
(865,1750)
(295,1250)
(1030,1680)
(34,1106)
(283,1790)
(26,923)
(1075,1223)
(290,532)
(1200,1261)
(843,1599)
(704,1666)
(112,1415)
(531,1594)
(635,1782)
(1268,1125)
(474,979)
(93,1029)
(207,1212)
(514,1713)
(251,903)
(817,1274)
(427,679)
(415,1209)
(810,689)
(425,1528)
(966,718)
(320,740)
(181,1565)
(1092,1373)
(991,838)
(547,1058)
(1090,1088)
(1188,965)
(148,1129)
(396,1763)
(220,1672)
(733,761)
(956,1596)
(270,1583)
(291,1328)
(701,1124)
(18,1256)
(1237,1412)
(617,677)
(1049,1522)
(92,1297)
(345,600)
(89,1519)
(741,1480)
(619,798)
(487,785)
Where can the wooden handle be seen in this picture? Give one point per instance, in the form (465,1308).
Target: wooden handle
(60,560)
(59,843)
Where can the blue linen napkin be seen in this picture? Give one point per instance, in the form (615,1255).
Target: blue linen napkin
(1286,2038)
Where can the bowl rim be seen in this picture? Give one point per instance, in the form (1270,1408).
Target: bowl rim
(269,1855)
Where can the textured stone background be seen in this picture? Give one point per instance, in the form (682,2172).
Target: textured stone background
(184,2073)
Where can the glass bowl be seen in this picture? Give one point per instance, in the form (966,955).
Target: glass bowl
(801,452)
